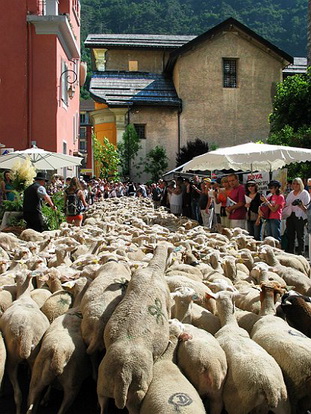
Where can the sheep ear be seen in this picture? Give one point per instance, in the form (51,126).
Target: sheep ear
(184,336)
(212,295)
(288,288)
(69,284)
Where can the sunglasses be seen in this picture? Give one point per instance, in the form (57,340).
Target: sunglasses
(251,185)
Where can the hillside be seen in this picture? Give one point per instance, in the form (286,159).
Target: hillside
(282,22)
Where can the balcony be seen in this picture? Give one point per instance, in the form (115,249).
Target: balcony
(59,26)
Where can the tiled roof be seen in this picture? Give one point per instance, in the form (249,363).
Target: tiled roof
(299,66)
(129,88)
(136,40)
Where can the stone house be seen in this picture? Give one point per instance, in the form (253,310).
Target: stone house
(218,86)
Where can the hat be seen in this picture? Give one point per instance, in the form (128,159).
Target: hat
(251,182)
(274,183)
(41,176)
(207,180)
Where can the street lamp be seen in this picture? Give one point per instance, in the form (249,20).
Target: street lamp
(70,78)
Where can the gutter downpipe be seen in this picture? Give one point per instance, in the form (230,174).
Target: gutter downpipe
(29,85)
(178,129)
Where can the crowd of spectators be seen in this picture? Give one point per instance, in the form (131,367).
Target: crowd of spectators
(283,215)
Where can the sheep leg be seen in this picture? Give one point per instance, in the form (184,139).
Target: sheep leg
(47,397)
(103,402)
(216,406)
(283,408)
(12,372)
(70,394)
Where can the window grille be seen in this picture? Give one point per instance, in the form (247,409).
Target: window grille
(141,130)
(230,73)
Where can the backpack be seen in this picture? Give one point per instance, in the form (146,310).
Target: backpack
(73,204)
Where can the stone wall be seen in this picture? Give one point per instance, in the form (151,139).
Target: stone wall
(161,129)
(226,116)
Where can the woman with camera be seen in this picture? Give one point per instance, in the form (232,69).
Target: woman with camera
(295,223)
(275,202)
(253,224)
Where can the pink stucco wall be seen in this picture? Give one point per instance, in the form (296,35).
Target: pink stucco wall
(30,81)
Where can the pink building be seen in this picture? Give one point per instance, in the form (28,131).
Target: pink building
(39,74)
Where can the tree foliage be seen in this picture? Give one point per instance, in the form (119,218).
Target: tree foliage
(107,156)
(290,121)
(190,150)
(128,149)
(156,163)
(282,22)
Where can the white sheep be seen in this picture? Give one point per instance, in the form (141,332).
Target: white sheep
(2,357)
(289,347)
(188,312)
(102,297)
(136,333)
(204,363)
(23,325)
(292,277)
(169,391)
(62,356)
(254,380)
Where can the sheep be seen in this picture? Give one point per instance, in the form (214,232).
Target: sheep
(102,297)
(292,260)
(139,327)
(32,235)
(60,301)
(7,296)
(291,276)
(8,241)
(254,380)
(2,357)
(261,273)
(188,312)
(289,347)
(62,356)
(22,325)
(169,391)
(176,282)
(40,296)
(204,363)
(297,309)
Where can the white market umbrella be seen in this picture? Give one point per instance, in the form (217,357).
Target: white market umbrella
(41,159)
(250,156)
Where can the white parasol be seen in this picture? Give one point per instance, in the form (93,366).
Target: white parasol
(250,156)
(41,159)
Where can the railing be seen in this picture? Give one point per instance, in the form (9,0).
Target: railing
(41,8)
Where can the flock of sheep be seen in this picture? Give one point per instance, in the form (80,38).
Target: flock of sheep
(166,316)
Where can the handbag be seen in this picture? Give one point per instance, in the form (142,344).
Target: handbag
(265,211)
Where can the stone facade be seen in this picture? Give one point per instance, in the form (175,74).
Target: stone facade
(161,129)
(226,116)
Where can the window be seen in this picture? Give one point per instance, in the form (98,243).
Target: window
(230,73)
(141,130)
(133,65)
(84,118)
(82,141)
(64,83)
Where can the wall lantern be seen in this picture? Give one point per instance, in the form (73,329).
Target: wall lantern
(70,78)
